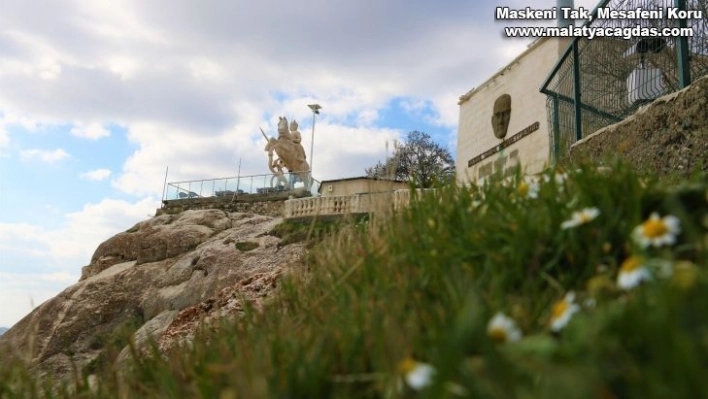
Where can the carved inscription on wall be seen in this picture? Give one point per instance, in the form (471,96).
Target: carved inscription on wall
(511,140)
(503,166)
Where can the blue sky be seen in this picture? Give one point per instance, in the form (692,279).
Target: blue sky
(97,98)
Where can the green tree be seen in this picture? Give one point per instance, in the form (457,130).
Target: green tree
(419,160)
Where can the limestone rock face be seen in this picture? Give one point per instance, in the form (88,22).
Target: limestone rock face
(149,277)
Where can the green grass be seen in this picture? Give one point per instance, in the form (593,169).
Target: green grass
(424,283)
(113,342)
(246,246)
(313,231)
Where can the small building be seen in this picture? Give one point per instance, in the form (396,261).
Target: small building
(358,185)
(503,121)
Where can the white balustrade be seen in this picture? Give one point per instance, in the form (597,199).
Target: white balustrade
(345,204)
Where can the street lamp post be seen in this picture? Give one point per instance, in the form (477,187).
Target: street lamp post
(315,110)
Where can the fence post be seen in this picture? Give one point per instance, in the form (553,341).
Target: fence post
(682,52)
(576,92)
(556,130)
(164,186)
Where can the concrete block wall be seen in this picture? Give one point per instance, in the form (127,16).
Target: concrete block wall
(521,79)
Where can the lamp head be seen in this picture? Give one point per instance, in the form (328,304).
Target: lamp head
(315,108)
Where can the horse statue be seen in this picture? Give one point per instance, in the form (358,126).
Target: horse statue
(290,154)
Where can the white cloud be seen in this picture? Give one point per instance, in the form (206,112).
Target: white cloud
(95,223)
(96,175)
(4,137)
(21,292)
(8,120)
(49,69)
(413,105)
(61,252)
(21,238)
(368,117)
(204,69)
(48,156)
(71,245)
(123,66)
(134,62)
(116,22)
(342,151)
(93,131)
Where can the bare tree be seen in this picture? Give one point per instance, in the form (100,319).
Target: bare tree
(418,160)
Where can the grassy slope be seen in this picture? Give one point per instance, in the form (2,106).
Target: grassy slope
(425,283)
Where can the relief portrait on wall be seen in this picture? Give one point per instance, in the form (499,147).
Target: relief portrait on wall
(501,116)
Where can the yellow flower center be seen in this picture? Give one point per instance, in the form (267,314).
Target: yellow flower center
(632,263)
(497,335)
(406,365)
(559,309)
(654,228)
(523,188)
(585,217)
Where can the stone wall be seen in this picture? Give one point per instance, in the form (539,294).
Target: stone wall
(670,135)
(268,205)
(352,186)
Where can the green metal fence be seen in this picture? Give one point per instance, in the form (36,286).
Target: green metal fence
(600,81)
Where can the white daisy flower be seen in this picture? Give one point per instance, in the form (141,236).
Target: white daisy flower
(590,303)
(662,267)
(503,329)
(562,311)
(528,187)
(581,217)
(657,231)
(416,375)
(558,176)
(632,273)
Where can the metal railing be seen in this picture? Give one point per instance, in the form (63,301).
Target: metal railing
(601,81)
(233,187)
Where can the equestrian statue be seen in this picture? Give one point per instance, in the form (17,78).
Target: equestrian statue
(291,155)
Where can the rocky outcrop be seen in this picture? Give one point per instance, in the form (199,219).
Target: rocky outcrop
(163,237)
(228,302)
(157,277)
